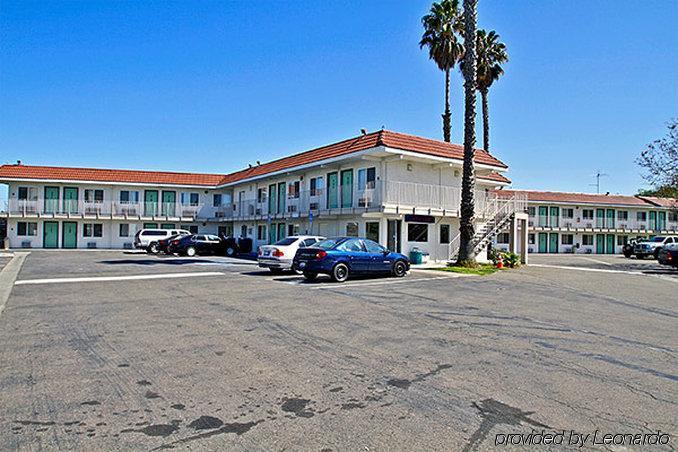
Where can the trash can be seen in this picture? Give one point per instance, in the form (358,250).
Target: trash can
(416,256)
(5,243)
(245,245)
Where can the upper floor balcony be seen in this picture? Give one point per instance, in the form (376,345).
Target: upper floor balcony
(101,209)
(632,224)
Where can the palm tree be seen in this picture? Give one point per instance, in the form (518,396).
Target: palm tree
(466,221)
(441,28)
(491,54)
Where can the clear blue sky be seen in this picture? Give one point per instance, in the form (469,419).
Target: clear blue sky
(212,85)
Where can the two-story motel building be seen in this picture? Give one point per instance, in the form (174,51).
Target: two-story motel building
(401,190)
(591,223)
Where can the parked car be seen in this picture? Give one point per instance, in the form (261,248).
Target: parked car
(627,249)
(147,239)
(341,257)
(163,244)
(652,246)
(668,255)
(279,256)
(190,245)
(236,245)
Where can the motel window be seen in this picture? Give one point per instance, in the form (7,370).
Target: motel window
(567,239)
(503,238)
(444,233)
(673,217)
(530,239)
(622,240)
(352,229)
(190,199)
(216,200)
(641,216)
(93,230)
(129,196)
(417,232)
(94,195)
(243,231)
(622,215)
(366,178)
(317,185)
(261,232)
(372,230)
(568,213)
(531,211)
(587,214)
(261,195)
(193,229)
(28,193)
(124,230)
(292,229)
(587,239)
(26,229)
(293,189)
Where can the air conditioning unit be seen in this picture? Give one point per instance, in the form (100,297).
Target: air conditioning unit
(91,244)
(530,224)
(588,225)
(314,206)
(291,209)
(568,225)
(258,211)
(26,244)
(128,245)
(218,214)
(364,202)
(623,226)
(129,210)
(642,227)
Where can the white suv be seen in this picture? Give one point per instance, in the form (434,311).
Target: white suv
(148,238)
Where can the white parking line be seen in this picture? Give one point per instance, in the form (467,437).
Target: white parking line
(115,278)
(597,261)
(600,270)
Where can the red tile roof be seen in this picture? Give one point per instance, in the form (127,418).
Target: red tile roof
(496,177)
(661,202)
(577,198)
(386,138)
(107,175)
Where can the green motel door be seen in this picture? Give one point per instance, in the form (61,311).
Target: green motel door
(543,242)
(609,222)
(282,196)
(543,216)
(553,242)
(600,243)
(653,221)
(347,188)
(70,200)
(609,246)
(151,203)
(272,229)
(332,190)
(600,218)
(169,206)
(661,221)
(50,234)
(272,200)
(555,214)
(69,233)
(51,199)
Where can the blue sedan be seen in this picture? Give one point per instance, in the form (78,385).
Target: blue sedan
(340,257)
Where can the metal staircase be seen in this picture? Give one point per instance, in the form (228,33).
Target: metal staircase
(497,213)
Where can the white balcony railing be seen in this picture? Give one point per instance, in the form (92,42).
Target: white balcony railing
(51,207)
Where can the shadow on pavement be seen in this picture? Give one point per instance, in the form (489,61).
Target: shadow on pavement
(152,262)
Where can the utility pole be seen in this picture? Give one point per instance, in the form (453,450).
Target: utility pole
(598,175)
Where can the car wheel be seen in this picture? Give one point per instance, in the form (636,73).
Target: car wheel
(399,269)
(340,273)
(190,251)
(310,276)
(276,271)
(230,251)
(152,248)
(656,253)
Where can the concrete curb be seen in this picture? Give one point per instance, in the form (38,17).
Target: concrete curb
(8,275)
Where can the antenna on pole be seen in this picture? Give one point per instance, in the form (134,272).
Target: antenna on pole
(598,175)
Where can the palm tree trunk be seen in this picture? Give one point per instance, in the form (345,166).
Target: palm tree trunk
(486,120)
(466,222)
(447,115)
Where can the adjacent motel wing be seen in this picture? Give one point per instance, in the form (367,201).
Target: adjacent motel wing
(401,190)
(591,224)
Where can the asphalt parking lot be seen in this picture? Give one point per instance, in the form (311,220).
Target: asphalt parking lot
(107,350)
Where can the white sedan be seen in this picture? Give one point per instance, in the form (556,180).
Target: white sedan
(279,256)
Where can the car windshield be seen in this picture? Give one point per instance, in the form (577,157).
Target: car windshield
(287,241)
(658,239)
(326,244)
